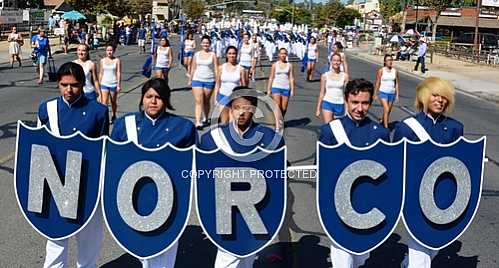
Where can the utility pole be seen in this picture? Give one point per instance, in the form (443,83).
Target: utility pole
(477,26)
(417,9)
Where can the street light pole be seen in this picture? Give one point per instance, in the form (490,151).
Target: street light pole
(417,9)
(476,41)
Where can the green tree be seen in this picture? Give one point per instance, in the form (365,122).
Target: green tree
(347,17)
(388,8)
(193,9)
(438,6)
(31,4)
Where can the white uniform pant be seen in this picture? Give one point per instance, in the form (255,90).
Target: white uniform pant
(419,256)
(88,241)
(343,259)
(225,260)
(165,260)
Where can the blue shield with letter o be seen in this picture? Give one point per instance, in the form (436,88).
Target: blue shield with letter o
(444,184)
(146,196)
(57,180)
(360,193)
(241,202)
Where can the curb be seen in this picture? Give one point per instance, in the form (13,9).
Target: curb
(488,98)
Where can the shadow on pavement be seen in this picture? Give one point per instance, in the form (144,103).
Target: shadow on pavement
(195,249)
(389,254)
(448,257)
(306,252)
(125,260)
(298,122)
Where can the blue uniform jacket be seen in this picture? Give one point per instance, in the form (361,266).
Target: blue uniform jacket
(88,116)
(168,127)
(265,141)
(360,134)
(442,130)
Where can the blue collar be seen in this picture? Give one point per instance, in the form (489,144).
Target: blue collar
(75,102)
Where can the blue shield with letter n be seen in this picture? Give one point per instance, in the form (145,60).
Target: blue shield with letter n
(360,193)
(57,180)
(444,184)
(146,196)
(241,201)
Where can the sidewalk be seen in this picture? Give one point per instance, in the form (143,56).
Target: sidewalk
(26,49)
(478,80)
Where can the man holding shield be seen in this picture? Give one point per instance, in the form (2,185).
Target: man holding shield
(65,115)
(354,129)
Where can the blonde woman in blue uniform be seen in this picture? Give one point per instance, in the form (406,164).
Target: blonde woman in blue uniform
(387,88)
(434,98)
(331,103)
(152,127)
(64,115)
(358,130)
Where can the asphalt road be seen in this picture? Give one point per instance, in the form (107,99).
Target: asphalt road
(301,242)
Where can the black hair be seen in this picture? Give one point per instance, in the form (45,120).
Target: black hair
(245,93)
(74,69)
(339,45)
(206,37)
(166,41)
(229,48)
(359,85)
(161,87)
(385,57)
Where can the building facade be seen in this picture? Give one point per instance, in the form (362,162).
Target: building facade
(8,4)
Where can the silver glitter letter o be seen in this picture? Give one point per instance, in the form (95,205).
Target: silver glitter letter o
(426,192)
(245,201)
(42,168)
(343,192)
(164,206)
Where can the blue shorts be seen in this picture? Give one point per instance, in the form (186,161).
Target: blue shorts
(188,54)
(205,85)
(91,95)
(223,100)
(312,60)
(337,109)
(163,69)
(41,59)
(106,88)
(245,67)
(390,97)
(281,91)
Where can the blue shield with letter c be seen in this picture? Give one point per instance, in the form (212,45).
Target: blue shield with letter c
(444,184)
(360,193)
(146,196)
(241,203)
(57,180)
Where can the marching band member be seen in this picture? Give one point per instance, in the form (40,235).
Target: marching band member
(153,126)
(91,87)
(358,130)
(189,48)
(230,75)
(388,86)
(65,115)
(256,56)
(246,57)
(281,82)
(313,56)
(110,79)
(331,97)
(338,48)
(163,59)
(434,97)
(202,79)
(242,108)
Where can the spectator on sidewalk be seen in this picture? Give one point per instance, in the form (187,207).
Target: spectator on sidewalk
(42,46)
(141,36)
(51,24)
(423,48)
(15,40)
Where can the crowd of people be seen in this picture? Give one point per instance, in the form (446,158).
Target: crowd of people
(343,104)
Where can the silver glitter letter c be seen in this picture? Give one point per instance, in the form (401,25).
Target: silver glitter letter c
(42,168)
(245,201)
(426,191)
(164,206)
(343,191)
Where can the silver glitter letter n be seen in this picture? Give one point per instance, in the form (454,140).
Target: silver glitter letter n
(343,192)
(245,201)
(164,206)
(426,191)
(42,168)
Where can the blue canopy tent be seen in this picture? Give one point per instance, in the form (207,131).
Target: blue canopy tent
(73,15)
